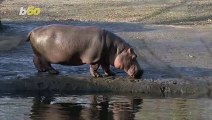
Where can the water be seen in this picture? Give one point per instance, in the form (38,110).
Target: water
(103,107)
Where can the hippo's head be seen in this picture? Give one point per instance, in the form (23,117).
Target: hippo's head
(126,61)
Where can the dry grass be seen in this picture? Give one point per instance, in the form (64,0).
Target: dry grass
(145,11)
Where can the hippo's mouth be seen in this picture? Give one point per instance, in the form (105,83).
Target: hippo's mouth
(138,75)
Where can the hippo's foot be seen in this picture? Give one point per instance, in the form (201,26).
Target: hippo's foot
(110,73)
(96,74)
(106,68)
(94,70)
(53,71)
(43,65)
(42,70)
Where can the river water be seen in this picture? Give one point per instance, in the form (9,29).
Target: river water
(103,107)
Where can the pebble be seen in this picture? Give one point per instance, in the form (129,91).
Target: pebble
(191,56)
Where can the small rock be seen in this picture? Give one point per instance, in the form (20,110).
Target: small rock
(191,56)
(175,82)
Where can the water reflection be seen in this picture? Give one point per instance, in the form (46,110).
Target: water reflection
(85,107)
(102,107)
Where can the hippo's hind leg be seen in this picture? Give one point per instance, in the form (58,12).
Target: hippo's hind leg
(106,68)
(51,70)
(38,64)
(94,70)
(43,66)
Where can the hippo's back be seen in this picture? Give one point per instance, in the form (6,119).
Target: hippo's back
(62,43)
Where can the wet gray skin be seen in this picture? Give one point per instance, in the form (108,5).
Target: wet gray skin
(78,45)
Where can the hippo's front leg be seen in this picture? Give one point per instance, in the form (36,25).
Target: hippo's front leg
(94,70)
(107,70)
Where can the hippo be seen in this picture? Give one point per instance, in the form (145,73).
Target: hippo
(78,45)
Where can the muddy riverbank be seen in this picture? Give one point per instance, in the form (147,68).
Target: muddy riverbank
(176,60)
(118,85)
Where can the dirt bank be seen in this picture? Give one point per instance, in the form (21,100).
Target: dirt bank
(68,84)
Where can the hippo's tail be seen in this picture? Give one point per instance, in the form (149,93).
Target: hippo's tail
(28,36)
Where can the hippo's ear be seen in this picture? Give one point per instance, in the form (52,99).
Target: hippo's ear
(134,56)
(130,50)
(118,50)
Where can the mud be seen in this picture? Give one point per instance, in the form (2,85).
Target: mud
(176,60)
(119,85)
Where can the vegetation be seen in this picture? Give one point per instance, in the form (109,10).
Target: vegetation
(143,11)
